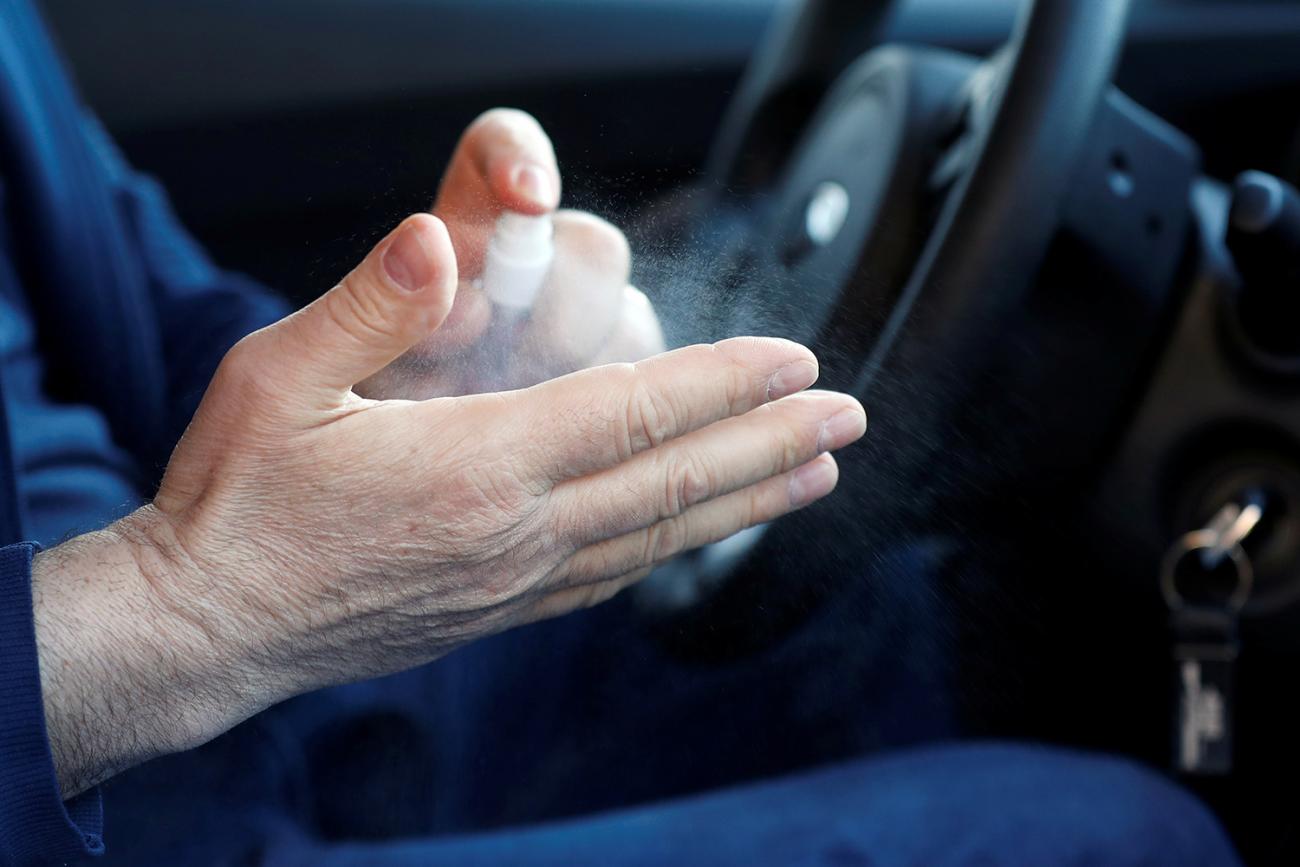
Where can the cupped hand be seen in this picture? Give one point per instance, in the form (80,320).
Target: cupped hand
(305,536)
(586,312)
(317,537)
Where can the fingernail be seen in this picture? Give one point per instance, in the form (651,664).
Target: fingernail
(839,430)
(794,377)
(405,261)
(812,482)
(534,183)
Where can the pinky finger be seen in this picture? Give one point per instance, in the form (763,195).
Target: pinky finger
(573,598)
(700,525)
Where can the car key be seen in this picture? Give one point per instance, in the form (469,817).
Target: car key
(1205,656)
(1206,578)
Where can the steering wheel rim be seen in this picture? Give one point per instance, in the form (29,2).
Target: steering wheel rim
(998,221)
(973,271)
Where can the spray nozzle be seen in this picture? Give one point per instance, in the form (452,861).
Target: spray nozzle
(518,257)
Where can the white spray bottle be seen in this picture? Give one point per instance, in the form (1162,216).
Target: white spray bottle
(518,257)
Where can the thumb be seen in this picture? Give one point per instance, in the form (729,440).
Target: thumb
(399,294)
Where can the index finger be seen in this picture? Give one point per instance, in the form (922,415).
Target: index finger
(595,419)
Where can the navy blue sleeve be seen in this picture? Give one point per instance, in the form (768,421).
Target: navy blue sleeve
(35,823)
(202,310)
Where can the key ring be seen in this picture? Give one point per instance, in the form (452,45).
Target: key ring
(1221,538)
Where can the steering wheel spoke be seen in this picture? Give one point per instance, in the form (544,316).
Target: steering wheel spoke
(933,184)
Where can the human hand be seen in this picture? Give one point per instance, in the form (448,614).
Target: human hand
(306,536)
(585,314)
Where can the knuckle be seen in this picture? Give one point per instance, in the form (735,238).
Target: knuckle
(573,528)
(663,541)
(616,420)
(738,381)
(738,387)
(672,540)
(794,445)
(792,439)
(650,417)
(752,512)
(650,544)
(701,352)
(689,481)
(353,309)
(249,379)
(600,242)
(242,363)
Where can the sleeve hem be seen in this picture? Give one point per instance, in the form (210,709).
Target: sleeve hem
(35,822)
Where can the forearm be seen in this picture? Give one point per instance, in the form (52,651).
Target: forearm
(126,676)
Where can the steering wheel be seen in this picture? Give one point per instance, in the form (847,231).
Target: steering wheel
(898,229)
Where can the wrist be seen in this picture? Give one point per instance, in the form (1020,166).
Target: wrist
(127,671)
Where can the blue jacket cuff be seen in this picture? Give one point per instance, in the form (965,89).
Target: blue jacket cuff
(35,823)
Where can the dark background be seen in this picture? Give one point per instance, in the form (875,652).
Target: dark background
(292,133)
